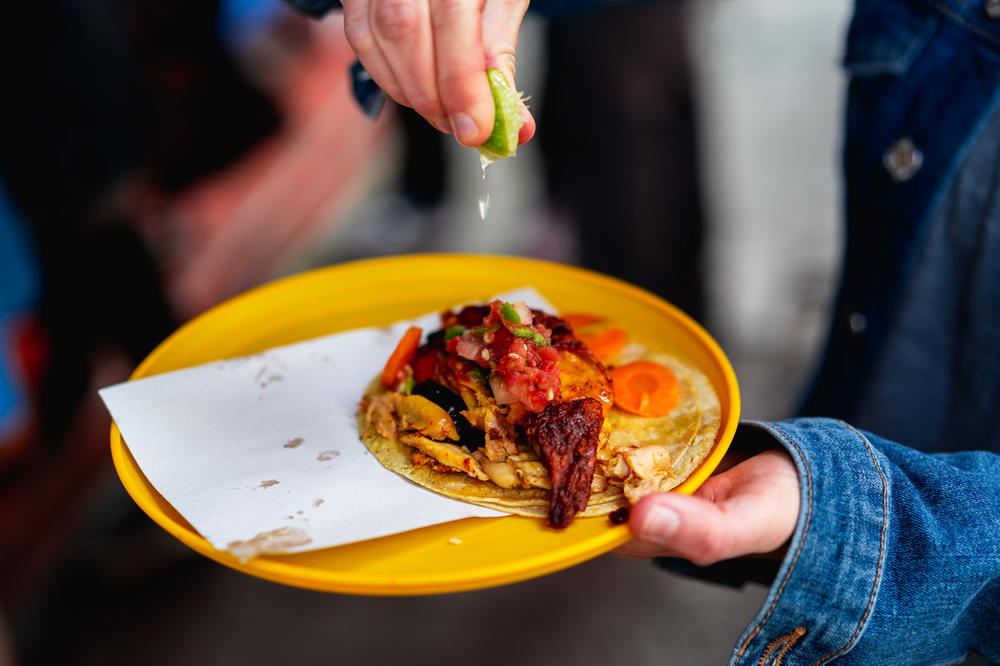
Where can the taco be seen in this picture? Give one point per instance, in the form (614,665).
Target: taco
(506,407)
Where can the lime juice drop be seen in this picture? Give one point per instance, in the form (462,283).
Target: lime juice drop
(507,124)
(484,205)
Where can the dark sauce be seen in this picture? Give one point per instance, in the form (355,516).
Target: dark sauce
(451,402)
(619,516)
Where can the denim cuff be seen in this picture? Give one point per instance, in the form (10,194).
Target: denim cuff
(825,589)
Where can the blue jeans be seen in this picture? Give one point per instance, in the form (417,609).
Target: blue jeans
(896,555)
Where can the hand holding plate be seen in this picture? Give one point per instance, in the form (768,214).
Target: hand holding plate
(750,509)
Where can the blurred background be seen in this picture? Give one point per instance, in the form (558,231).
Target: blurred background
(158,158)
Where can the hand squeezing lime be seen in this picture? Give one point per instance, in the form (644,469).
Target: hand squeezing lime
(507,124)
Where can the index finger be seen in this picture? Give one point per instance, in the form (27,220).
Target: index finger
(461,67)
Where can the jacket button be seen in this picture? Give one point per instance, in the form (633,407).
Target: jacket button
(857,322)
(903,159)
(993,9)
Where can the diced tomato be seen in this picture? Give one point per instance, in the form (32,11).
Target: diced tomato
(425,365)
(524,366)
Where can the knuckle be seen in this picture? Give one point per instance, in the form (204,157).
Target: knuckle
(358,34)
(458,89)
(395,19)
(447,12)
(427,107)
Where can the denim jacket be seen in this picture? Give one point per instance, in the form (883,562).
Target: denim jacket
(914,350)
(896,555)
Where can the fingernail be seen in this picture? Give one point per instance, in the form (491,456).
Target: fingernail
(464,127)
(659,523)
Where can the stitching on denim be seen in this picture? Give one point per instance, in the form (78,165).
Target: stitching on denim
(794,637)
(769,648)
(786,642)
(959,18)
(896,65)
(881,552)
(798,550)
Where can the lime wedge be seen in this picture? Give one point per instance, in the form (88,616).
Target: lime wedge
(507,123)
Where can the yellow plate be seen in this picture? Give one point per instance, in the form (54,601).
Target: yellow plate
(492,551)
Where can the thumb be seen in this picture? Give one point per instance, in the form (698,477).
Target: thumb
(501,24)
(705,532)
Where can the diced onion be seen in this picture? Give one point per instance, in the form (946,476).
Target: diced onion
(524,312)
(500,392)
(467,348)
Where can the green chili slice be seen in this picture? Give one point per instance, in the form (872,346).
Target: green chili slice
(531,334)
(508,312)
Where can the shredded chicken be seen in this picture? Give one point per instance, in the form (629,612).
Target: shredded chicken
(500,473)
(420,459)
(599,483)
(521,470)
(635,488)
(499,431)
(445,453)
(617,467)
(648,461)
(380,413)
(530,471)
(418,414)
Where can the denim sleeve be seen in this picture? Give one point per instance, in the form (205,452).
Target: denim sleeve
(895,558)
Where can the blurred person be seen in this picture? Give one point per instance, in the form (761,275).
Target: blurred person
(114,108)
(19,295)
(409,218)
(876,552)
(118,107)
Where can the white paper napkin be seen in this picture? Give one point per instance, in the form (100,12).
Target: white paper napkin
(261,454)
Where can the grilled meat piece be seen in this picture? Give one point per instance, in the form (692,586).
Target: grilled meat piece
(470,316)
(561,331)
(566,434)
